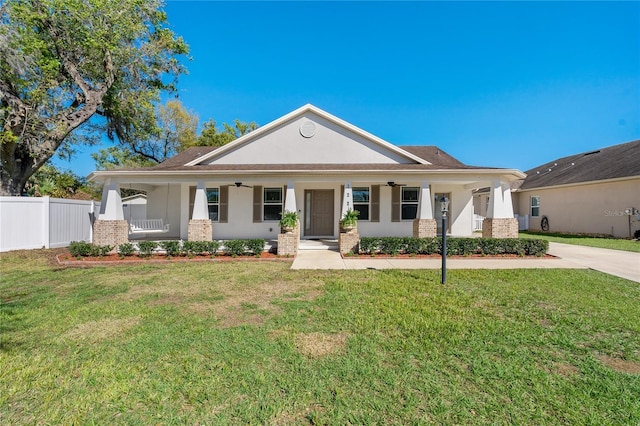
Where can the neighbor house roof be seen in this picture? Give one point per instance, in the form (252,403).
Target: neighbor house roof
(614,162)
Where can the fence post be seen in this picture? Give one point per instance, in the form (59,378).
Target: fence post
(46,218)
(92,212)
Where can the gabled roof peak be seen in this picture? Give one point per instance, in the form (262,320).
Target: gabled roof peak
(307,108)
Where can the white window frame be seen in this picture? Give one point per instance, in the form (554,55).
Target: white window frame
(410,202)
(537,206)
(362,203)
(266,202)
(212,204)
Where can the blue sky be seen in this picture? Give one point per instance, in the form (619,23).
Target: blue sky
(504,84)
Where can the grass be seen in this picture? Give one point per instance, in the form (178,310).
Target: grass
(252,343)
(585,240)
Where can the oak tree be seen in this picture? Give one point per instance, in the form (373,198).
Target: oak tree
(71,69)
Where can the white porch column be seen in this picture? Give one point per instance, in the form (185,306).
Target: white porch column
(506,201)
(500,222)
(290,198)
(495,210)
(347,198)
(425,208)
(200,207)
(111,205)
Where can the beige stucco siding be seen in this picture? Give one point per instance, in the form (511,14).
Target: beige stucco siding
(240,210)
(596,208)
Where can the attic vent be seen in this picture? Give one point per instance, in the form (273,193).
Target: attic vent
(589,153)
(307,129)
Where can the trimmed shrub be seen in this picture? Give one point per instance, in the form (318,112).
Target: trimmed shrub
(80,249)
(455,246)
(171,248)
(234,247)
(126,249)
(145,248)
(256,246)
(101,250)
(210,247)
(392,245)
(369,245)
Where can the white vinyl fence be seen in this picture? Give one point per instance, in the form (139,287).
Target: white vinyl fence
(523,222)
(37,222)
(477,222)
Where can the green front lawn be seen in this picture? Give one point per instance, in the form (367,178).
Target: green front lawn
(252,343)
(583,240)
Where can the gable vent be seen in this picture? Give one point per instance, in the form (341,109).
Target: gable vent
(307,129)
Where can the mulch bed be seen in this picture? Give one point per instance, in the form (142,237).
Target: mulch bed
(65,258)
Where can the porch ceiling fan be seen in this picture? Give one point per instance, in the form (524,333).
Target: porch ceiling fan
(393,184)
(239,184)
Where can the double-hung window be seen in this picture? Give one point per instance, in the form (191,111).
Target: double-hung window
(409,203)
(272,204)
(213,203)
(361,202)
(535,206)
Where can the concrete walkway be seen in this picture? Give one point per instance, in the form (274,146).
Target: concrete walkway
(619,263)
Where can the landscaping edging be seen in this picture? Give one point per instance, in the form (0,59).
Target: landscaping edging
(66,259)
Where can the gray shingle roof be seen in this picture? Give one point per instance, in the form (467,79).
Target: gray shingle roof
(438,159)
(613,162)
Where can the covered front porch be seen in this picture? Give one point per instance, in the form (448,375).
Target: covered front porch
(244,207)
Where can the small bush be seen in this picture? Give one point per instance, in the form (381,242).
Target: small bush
(235,247)
(256,246)
(80,249)
(101,250)
(210,247)
(171,248)
(369,245)
(392,245)
(146,248)
(126,249)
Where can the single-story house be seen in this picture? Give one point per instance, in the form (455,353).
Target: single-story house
(595,192)
(313,163)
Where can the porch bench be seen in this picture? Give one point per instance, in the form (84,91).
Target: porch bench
(148,226)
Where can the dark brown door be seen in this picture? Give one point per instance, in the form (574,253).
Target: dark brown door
(318,212)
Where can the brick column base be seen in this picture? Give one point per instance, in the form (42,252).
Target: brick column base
(200,230)
(349,242)
(110,232)
(423,228)
(500,228)
(288,244)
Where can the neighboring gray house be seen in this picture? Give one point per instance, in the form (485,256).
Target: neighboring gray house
(595,192)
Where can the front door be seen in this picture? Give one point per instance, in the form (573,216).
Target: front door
(318,212)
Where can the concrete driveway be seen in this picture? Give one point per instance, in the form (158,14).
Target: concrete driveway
(624,264)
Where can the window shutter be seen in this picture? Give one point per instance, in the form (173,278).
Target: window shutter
(192,200)
(257,204)
(395,204)
(341,198)
(284,197)
(223,213)
(374,215)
